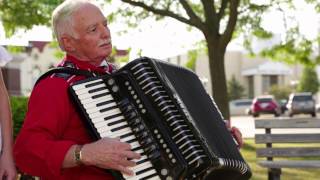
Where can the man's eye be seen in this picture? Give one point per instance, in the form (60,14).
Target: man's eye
(93,29)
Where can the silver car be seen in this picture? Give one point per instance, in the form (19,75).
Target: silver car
(301,103)
(240,107)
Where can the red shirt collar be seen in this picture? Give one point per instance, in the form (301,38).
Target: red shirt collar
(85,65)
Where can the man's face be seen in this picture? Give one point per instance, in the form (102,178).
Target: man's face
(92,41)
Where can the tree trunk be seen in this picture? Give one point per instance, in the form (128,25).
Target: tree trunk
(218,76)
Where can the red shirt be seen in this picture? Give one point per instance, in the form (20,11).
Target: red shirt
(51,126)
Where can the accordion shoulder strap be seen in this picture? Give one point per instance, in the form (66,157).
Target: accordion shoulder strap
(65,72)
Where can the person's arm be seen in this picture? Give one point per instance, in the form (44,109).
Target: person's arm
(7,167)
(106,153)
(41,148)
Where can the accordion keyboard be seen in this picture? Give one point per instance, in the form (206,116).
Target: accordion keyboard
(109,121)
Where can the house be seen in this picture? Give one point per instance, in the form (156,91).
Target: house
(256,74)
(22,72)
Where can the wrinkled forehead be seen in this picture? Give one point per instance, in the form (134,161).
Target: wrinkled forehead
(87,15)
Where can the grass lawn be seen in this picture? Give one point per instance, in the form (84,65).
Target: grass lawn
(259,173)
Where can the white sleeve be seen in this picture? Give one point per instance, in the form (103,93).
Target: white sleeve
(5,57)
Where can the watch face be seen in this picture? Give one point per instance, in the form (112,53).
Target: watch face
(77,155)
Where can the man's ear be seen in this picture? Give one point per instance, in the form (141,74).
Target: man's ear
(68,43)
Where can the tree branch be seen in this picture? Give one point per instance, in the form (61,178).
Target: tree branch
(192,15)
(212,21)
(222,9)
(233,16)
(161,12)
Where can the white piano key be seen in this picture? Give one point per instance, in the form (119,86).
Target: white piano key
(144,157)
(115,119)
(82,85)
(113,126)
(96,109)
(145,174)
(154,178)
(126,139)
(86,96)
(109,128)
(104,118)
(96,100)
(106,113)
(100,125)
(135,144)
(98,120)
(116,134)
(84,91)
(140,151)
(141,166)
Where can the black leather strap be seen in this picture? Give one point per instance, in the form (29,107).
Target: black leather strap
(66,72)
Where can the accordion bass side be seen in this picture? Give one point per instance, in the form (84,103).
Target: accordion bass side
(163,111)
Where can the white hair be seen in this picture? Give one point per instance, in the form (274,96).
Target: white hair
(62,18)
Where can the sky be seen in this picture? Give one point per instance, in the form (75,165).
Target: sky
(170,38)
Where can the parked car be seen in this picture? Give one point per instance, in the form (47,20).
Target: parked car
(265,105)
(240,106)
(301,103)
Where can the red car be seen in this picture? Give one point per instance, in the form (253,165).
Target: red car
(265,105)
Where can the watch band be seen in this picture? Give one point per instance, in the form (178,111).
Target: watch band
(77,155)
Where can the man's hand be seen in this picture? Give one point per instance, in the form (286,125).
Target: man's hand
(110,153)
(237,135)
(235,132)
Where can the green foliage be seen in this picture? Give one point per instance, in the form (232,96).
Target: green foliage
(192,58)
(19,109)
(24,14)
(58,52)
(15,49)
(309,80)
(219,21)
(113,58)
(235,89)
(280,92)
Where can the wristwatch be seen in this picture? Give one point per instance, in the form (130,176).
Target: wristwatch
(77,154)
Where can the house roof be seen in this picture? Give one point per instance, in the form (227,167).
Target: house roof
(268,68)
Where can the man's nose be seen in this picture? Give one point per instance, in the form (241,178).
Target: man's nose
(105,32)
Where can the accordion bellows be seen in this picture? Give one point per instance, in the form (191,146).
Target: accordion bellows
(163,111)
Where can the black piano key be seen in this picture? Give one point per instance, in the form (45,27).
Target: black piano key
(93,84)
(142,161)
(126,135)
(96,90)
(136,149)
(116,122)
(148,177)
(119,128)
(144,170)
(112,116)
(132,140)
(104,103)
(100,95)
(108,108)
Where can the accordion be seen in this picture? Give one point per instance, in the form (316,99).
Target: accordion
(164,113)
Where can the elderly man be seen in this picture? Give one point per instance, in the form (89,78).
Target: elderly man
(53,134)
(53,143)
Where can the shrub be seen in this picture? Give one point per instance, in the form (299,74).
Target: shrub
(19,109)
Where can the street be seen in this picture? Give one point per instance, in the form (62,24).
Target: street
(246,124)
